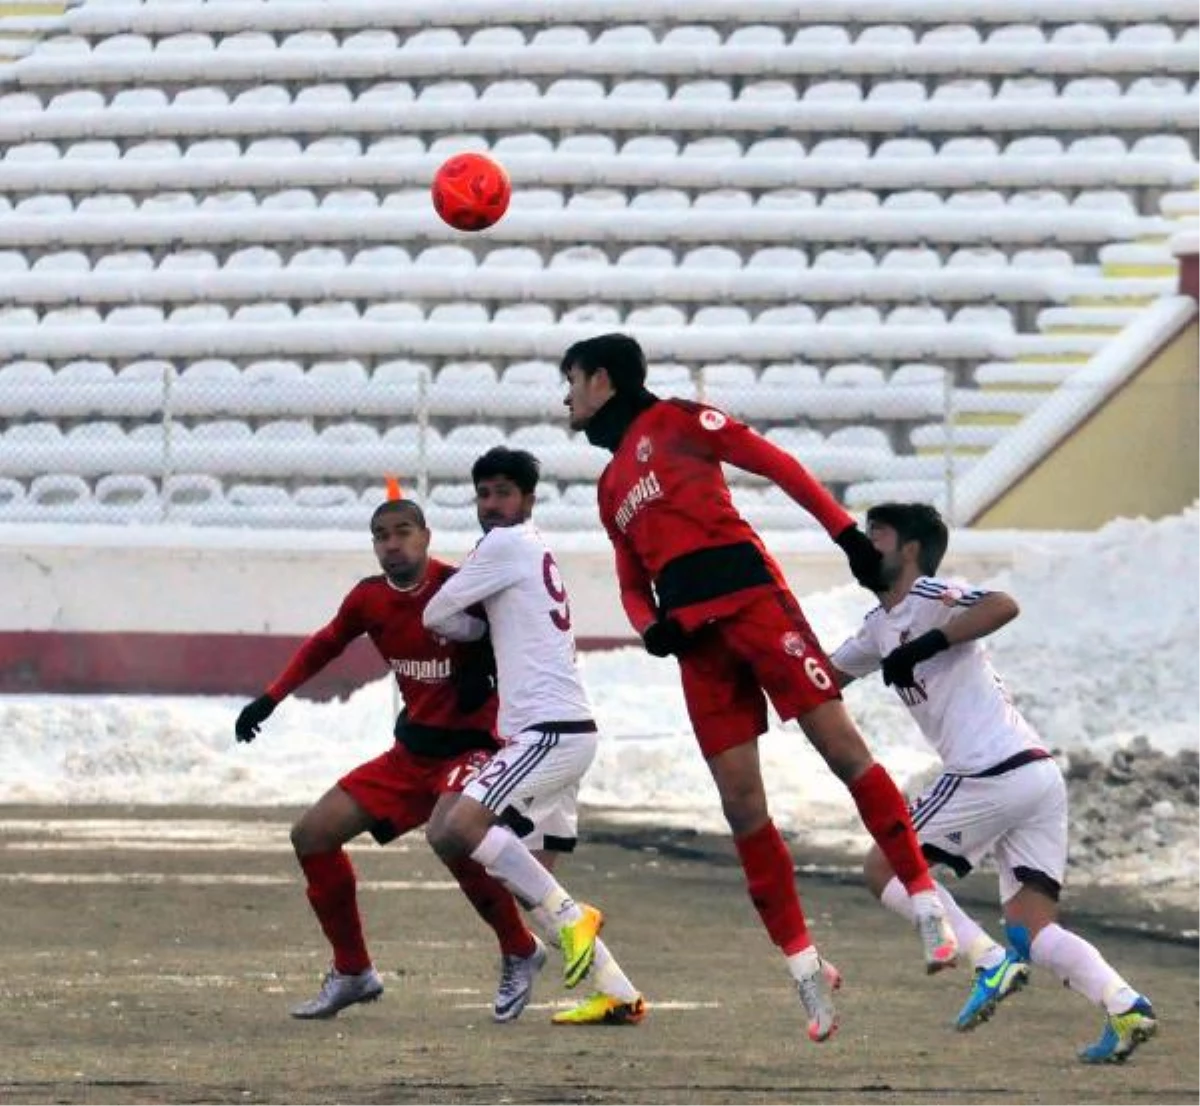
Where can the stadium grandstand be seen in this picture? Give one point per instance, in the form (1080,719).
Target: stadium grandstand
(884,232)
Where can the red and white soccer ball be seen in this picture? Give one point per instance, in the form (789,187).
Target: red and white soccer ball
(471,191)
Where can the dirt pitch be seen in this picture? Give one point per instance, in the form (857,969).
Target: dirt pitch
(150,955)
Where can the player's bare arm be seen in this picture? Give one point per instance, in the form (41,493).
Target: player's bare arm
(985,616)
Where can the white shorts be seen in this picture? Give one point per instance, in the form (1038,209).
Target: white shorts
(1018,817)
(532,783)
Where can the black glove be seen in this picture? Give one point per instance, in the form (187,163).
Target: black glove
(866,562)
(253,716)
(898,665)
(664,638)
(475,676)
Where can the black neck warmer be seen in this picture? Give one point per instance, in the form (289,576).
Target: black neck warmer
(608,425)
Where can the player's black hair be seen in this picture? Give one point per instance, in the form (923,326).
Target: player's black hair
(619,354)
(408,506)
(919,522)
(518,465)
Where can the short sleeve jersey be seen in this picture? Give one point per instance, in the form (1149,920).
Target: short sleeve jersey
(960,703)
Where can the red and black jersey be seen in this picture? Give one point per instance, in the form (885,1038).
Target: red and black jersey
(424,665)
(666,506)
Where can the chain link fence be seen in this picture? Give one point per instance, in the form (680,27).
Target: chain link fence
(277,442)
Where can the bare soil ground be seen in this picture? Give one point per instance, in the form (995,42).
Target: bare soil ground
(151,954)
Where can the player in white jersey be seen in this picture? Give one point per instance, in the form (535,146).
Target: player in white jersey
(545,724)
(1000,794)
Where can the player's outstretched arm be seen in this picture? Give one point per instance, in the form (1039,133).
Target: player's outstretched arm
(982,614)
(324,646)
(740,446)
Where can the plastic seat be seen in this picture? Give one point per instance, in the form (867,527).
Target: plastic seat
(757,35)
(374,40)
(318,257)
(647,257)
(59,491)
(445,92)
(528,314)
(272,373)
(767,92)
(574,88)
(446,257)
(660,199)
(84,372)
(833,92)
(711,257)
(191,492)
(205,97)
(703,91)
(671,381)
(570,38)
(521,89)
(512,257)
(349,434)
(128,494)
(787,258)
(326,497)
(624,38)
(660,315)
(642,88)
(67,261)
(92,150)
(726,315)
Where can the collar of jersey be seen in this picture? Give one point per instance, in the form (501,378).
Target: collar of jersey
(608,425)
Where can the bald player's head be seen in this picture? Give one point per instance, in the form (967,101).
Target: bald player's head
(401,541)
(403,506)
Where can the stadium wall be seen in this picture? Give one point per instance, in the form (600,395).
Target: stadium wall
(174,611)
(1121,439)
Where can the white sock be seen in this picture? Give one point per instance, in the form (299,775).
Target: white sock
(607,976)
(605,972)
(1081,967)
(983,951)
(803,963)
(503,855)
(543,922)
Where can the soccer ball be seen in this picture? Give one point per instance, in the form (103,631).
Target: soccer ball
(471,191)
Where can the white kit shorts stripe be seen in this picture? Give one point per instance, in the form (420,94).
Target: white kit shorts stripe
(537,775)
(1018,817)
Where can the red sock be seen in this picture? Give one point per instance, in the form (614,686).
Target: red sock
(494,904)
(885,815)
(331,891)
(771,881)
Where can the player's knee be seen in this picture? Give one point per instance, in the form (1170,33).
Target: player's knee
(745,810)
(446,837)
(308,840)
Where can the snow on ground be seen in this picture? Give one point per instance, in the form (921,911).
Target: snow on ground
(1105,653)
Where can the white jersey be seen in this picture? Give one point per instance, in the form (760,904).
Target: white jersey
(960,702)
(513,575)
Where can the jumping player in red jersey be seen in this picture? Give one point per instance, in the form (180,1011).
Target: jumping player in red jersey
(696,582)
(444,734)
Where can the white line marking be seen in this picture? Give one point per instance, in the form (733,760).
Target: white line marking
(653,1005)
(145,846)
(207,880)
